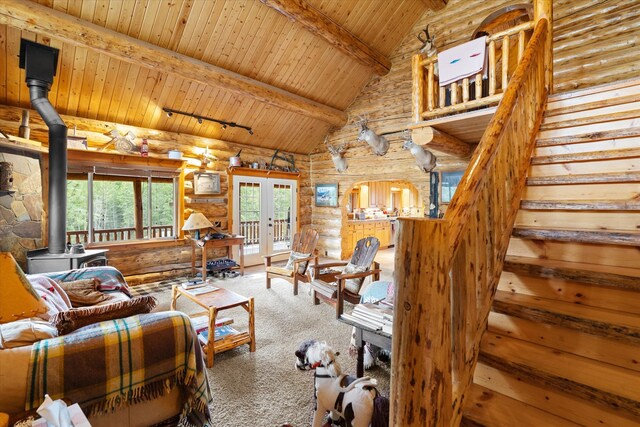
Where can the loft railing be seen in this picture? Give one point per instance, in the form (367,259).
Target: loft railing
(118,234)
(429,99)
(251,231)
(450,267)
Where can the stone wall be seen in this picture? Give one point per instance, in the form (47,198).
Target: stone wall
(21,212)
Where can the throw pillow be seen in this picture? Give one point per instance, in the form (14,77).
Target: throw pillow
(354,285)
(70,320)
(295,256)
(83,292)
(25,332)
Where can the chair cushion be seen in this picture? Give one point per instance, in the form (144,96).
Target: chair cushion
(70,320)
(302,268)
(328,290)
(354,285)
(280,271)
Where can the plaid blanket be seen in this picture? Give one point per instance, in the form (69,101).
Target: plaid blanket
(108,364)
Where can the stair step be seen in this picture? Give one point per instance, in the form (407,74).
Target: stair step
(586,178)
(626,111)
(491,409)
(614,352)
(623,153)
(595,274)
(573,205)
(619,255)
(592,320)
(584,236)
(594,97)
(617,191)
(600,383)
(585,147)
(550,400)
(589,136)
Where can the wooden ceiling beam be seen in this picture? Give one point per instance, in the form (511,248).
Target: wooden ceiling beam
(435,4)
(30,16)
(322,26)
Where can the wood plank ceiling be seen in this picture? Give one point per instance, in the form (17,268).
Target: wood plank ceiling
(99,79)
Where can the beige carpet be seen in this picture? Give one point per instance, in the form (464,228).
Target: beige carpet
(264,388)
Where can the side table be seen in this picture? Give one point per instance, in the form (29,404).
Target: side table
(214,302)
(227,242)
(366,335)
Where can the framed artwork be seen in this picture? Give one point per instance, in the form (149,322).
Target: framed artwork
(206,183)
(327,195)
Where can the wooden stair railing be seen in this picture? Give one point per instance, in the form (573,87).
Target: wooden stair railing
(447,270)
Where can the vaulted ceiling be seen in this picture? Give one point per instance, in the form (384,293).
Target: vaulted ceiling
(289,77)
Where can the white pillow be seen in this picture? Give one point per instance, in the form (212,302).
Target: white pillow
(354,285)
(295,256)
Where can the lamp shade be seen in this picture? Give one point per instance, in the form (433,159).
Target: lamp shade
(196,221)
(18,299)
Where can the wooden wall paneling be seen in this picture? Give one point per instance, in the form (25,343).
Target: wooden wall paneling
(67,54)
(79,61)
(101,93)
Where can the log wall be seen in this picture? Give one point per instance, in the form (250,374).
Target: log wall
(167,258)
(594,43)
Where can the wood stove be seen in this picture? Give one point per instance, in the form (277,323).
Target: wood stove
(41,261)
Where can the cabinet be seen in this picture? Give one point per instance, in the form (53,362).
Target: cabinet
(359,230)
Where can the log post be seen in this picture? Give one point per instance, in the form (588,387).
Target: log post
(421,383)
(441,141)
(24,131)
(417,92)
(505,62)
(137,210)
(492,68)
(543,9)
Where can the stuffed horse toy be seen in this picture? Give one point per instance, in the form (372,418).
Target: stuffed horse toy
(352,402)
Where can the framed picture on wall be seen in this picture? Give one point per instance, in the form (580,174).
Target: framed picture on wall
(327,195)
(206,183)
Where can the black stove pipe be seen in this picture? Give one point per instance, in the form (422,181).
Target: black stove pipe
(39,62)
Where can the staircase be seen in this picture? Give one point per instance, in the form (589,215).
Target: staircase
(563,340)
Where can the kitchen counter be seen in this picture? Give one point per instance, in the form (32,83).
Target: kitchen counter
(358,221)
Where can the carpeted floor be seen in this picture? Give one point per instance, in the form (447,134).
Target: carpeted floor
(263,388)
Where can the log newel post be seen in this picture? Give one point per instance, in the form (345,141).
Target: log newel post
(418,88)
(543,9)
(421,383)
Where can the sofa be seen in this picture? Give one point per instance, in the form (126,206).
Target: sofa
(172,386)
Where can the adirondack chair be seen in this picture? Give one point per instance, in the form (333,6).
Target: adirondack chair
(303,250)
(334,287)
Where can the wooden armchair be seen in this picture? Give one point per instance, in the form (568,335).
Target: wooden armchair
(303,243)
(336,286)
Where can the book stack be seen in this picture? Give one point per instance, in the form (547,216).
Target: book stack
(378,317)
(201,323)
(219,333)
(193,283)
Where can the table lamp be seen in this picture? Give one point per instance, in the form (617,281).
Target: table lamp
(196,221)
(18,299)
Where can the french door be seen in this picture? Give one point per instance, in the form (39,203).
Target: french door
(264,211)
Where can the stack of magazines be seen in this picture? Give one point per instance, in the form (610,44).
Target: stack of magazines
(378,317)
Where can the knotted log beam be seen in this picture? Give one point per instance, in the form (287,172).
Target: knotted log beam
(440,141)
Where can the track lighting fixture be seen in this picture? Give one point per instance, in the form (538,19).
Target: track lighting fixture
(201,119)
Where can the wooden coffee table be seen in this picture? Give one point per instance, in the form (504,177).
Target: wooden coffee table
(215,302)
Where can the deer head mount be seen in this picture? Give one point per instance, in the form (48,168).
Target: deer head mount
(337,154)
(425,159)
(428,42)
(378,143)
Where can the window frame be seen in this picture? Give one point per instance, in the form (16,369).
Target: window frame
(81,163)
